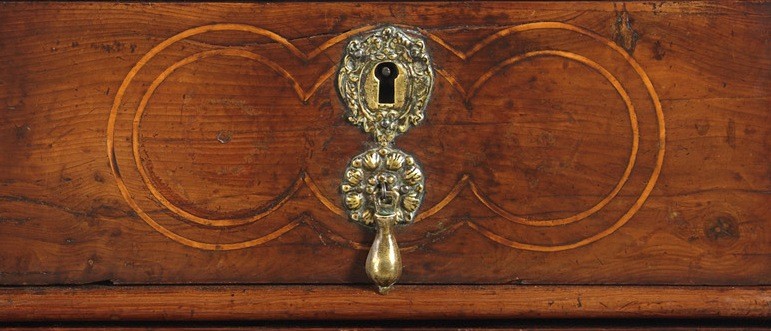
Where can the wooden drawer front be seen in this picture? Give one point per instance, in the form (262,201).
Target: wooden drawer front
(565,143)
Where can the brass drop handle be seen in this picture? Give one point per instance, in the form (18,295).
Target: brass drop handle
(384,262)
(385,82)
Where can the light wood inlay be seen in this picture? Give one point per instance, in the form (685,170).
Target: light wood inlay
(304,96)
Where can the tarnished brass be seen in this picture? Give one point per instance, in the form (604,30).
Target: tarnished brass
(384,178)
(372,85)
(385,82)
(383,187)
(358,84)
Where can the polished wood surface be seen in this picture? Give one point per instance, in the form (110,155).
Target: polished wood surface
(565,143)
(218,303)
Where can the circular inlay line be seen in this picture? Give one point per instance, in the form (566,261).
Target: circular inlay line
(119,95)
(305,95)
(659,153)
(272,206)
(632,153)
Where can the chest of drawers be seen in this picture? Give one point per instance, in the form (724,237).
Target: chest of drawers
(582,159)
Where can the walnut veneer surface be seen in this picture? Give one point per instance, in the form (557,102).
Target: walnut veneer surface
(566,143)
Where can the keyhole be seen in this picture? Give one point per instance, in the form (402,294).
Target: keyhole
(386,73)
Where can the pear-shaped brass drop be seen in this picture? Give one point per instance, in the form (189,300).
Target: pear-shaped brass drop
(384,262)
(385,80)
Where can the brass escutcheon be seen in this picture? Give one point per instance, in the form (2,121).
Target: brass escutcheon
(385,82)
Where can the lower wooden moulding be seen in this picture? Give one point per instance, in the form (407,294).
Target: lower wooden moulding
(410,302)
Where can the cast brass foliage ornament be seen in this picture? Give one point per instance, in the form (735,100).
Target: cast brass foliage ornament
(385,82)
(358,82)
(382,172)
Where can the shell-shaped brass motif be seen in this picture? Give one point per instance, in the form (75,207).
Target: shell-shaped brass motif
(394,161)
(371,160)
(353,200)
(385,82)
(411,202)
(367,217)
(413,175)
(382,171)
(354,176)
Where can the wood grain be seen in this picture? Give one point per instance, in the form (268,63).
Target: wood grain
(218,303)
(565,143)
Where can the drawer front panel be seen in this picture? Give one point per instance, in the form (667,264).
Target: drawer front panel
(564,143)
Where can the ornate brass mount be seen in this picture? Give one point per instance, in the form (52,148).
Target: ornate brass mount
(385,82)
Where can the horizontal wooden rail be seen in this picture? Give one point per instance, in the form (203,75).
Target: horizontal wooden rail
(219,303)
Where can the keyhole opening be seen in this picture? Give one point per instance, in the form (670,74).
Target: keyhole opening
(386,73)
